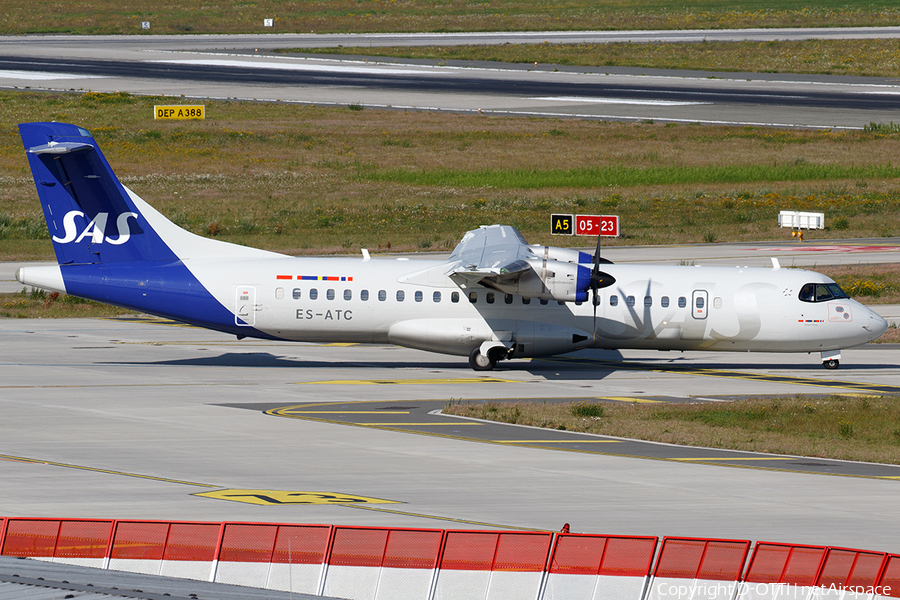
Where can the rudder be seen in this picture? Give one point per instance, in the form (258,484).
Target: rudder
(89,213)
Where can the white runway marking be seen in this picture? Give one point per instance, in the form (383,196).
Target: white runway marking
(618,101)
(329,66)
(45,75)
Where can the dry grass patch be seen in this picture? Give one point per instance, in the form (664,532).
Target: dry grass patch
(240,16)
(301,179)
(38,304)
(862,428)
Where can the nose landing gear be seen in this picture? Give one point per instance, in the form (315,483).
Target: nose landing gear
(831,359)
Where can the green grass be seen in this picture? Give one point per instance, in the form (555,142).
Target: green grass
(864,428)
(238,16)
(621,176)
(305,180)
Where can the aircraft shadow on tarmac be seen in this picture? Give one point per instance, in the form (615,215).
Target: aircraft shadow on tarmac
(591,365)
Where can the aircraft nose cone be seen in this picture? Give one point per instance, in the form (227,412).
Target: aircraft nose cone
(876,326)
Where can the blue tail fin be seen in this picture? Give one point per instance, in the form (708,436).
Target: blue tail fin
(114,247)
(89,213)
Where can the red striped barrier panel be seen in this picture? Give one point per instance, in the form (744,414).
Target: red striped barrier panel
(594,567)
(778,571)
(849,574)
(488,565)
(68,541)
(698,569)
(889,581)
(277,557)
(368,563)
(186,550)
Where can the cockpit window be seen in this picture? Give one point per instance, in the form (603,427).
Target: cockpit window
(821,292)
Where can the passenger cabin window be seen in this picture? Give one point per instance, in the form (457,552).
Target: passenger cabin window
(348,295)
(329,294)
(419,296)
(313,294)
(682,302)
(454,297)
(821,292)
(296,294)
(544,301)
(629,300)
(717,302)
(526,300)
(648,301)
(382,295)
(664,302)
(436,296)
(699,303)
(279,293)
(613,300)
(364,295)
(473,297)
(401,295)
(489,297)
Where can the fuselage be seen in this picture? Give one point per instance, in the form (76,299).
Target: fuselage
(495,297)
(414,303)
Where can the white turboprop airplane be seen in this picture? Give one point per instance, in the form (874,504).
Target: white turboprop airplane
(495,298)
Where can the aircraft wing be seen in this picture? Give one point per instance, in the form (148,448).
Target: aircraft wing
(490,256)
(497,257)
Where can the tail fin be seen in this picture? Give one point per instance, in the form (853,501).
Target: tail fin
(89,213)
(114,247)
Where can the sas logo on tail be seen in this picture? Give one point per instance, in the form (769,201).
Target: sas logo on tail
(95,229)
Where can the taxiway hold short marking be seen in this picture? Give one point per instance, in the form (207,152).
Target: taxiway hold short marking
(557,441)
(573,445)
(631,399)
(350,412)
(408,381)
(419,424)
(746,376)
(98,470)
(115,385)
(439,518)
(279,497)
(708,458)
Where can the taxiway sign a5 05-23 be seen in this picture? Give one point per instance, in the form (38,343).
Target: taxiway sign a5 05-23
(495,298)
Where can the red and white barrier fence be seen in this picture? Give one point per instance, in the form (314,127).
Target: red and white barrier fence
(779,571)
(699,569)
(374,563)
(492,565)
(596,567)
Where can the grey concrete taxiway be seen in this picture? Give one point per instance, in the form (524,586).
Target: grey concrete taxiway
(134,419)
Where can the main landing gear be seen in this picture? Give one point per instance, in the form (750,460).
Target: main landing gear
(831,364)
(486,361)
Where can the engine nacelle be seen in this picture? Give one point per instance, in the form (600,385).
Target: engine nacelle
(551,280)
(561,254)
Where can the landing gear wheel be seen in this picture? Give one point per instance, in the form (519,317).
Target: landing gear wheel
(831,364)
(480,362)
